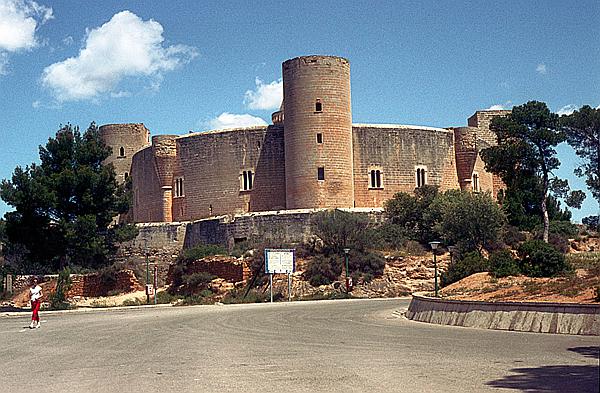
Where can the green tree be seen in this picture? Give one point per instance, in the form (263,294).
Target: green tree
(64,206)
(525,156)
(339,229)
(471,221)
(582,129)
(409,216)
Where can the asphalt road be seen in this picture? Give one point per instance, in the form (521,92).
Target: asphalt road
(327,346)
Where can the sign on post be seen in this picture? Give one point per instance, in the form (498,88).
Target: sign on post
(279,261)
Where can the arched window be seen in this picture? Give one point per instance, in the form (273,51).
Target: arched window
(121,151)
(421,176)
(475,182)
(375,178)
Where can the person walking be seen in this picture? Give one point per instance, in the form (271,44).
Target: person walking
(36,300)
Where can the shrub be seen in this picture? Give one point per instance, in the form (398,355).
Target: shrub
(253,296)
(470,264)
(539,259)
(323,270)
(365,265)
(564,228)
(512,236)
(200,251)
(339,229)
(58,299)
(414,248)
(502,264)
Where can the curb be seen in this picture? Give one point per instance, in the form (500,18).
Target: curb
(27,312)
(537,317)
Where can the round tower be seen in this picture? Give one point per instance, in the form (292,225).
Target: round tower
(125,140)
(318,132)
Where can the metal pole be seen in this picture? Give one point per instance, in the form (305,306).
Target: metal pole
(147,279)
(435,274)
(289,287)
(271,285)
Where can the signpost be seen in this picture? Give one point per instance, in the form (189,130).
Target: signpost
(279,261)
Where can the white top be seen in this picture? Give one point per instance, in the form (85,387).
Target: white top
(36,292)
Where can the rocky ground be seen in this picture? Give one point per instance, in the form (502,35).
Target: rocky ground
(404,275)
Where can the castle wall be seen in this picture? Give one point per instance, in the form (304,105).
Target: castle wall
(396,151)
(212,165)
(317,101)
(127,139)
(147,192)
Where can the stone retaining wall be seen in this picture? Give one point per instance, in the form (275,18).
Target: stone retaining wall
(564,318)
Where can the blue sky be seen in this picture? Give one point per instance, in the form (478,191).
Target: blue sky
(192,65)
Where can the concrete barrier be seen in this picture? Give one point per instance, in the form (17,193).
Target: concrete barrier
(564,318)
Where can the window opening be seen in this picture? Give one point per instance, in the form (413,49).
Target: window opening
(179,191)
(247,180)
(475,182)
(375,178)
(318,106)
(421,176)
(319,138)
(125,175)
(122,151)
(321,173)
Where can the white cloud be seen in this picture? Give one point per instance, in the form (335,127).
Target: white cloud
(125,46)
(19,20)
(541,68)
(266,96)
(231,120)
(567,110)
(499,107)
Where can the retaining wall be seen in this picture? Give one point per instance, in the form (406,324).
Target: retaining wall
(564,318)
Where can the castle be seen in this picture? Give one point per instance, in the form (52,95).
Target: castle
(312,156)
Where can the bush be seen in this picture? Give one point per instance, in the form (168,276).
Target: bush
(253,296)
(365,265)
(502,264)
(470,264)
(339,229)
(564,228)
(200,251)
(512,236)
(58,299)
(323,270)
(539,259)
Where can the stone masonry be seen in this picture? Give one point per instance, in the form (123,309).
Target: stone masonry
(312,156)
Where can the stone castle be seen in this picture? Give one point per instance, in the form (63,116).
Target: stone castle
(312,156)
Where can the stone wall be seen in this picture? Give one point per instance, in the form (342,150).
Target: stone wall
(317,101)
(583,319)
(125,140)
(212,164)
(227,268)
(396,151)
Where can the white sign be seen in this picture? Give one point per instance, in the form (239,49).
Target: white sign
(279,261)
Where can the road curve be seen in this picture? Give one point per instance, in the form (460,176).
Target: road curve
(326,346)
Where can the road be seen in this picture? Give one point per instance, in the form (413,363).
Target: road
(326,346)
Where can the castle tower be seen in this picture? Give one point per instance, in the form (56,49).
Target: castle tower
(318,132)
(125,140)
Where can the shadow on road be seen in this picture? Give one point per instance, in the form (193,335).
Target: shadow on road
(588,352)
(555,379)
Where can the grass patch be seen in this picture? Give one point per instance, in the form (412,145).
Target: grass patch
(585,260)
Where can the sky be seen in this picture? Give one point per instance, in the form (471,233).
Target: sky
(179,66)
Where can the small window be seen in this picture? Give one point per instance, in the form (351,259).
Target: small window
(179,191)
(421,176)
(318,106)
(210,210)
(319,138)
(121,151)
(375,178)
(246,180)
(125,175)
(475,182)
(321,173)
